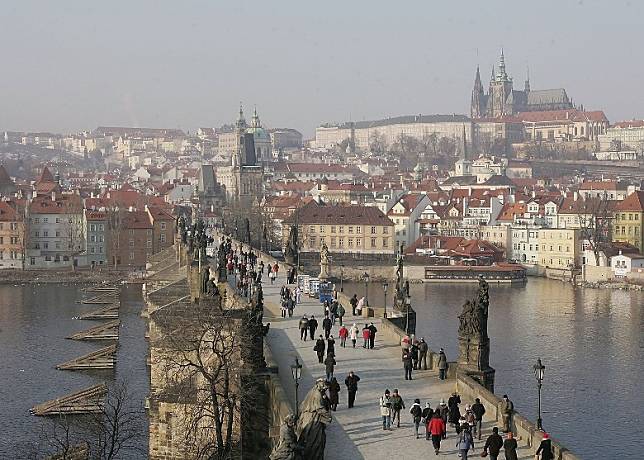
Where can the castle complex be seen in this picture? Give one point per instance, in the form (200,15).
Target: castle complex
(502,99)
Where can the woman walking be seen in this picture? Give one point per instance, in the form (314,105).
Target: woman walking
(510,447)
(353,334)
(465,442)
(545,448)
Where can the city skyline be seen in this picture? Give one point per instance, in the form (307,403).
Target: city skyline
(190,67)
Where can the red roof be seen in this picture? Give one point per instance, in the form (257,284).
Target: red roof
(563,115)
(63,204)
(629,124)
(8,213)
(137,220)
(45,176)
(633,202)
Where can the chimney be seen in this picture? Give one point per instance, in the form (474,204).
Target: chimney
(575,196)
(53,196)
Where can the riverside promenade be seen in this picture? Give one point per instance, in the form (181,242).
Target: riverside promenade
(357,433)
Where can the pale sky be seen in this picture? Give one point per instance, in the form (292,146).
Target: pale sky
(71,65)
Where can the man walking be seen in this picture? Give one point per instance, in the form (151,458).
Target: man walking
(329,363)
(372,335)
(442,364)
(507,408)
(423,348)
(313,325)
(304,327)
(493,444)
(352,387)
(436,428)
(327,324)
(406,359)
(340,312)
(330,346)
(479,410)
(397,404)
(319,348)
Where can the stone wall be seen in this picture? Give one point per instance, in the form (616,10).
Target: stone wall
(279,403)
(525,430)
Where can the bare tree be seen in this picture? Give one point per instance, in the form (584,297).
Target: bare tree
(118,427)
(595,221)
(378,143)
(203,365)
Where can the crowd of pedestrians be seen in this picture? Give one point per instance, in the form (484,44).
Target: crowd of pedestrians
(430,424)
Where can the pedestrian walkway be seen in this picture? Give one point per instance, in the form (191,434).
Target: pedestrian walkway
(357,433)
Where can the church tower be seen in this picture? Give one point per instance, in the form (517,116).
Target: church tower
(240,130)
(500,89)
(477,108)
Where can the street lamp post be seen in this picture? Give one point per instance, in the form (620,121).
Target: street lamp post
(385,285)
(539,370)
(296,371)
(365,277)
(407,305)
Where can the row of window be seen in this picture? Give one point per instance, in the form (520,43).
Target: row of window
(350,229)
(351,242)
(12,240)
(32,260)
(12,226)
(11,255)
(45,220)
(627,230)
(629,216)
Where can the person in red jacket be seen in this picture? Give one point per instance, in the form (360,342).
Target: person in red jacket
(343,333)
(436,427)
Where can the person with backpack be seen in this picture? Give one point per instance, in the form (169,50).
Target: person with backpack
(416,414)
(397,404)
(465,442)
(436,429)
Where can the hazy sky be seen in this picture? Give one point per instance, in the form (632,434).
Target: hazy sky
(71,65)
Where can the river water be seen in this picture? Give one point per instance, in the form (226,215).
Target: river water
(34,321)
(591,342)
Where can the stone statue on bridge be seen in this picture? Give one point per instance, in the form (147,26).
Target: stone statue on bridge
(324,263)
(315,415)
(290,252)
(474,343)
(287,447)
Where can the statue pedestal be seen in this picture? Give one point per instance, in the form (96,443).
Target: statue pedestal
(324,273)
(474,360)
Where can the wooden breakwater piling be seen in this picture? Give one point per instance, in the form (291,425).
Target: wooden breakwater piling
(106,331)
(102,358)
(87,401)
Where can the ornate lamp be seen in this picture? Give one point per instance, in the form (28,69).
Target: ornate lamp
(539,370)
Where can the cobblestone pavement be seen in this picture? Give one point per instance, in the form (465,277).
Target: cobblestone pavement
(357,433)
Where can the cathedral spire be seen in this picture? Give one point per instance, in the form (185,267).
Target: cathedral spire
(241,122)
(502,72)
(527,80)
(255,123)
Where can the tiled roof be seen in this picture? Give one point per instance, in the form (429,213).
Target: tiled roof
(7,212)
(629,124)
(563,115)
(63,204)
(601,185)
(137,220)
(633,202)
(45,176)
(339,215)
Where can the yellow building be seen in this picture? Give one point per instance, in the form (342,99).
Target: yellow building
(559,248)
(629,216)
(344,229)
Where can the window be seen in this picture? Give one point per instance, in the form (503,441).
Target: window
(358,242)
(311,241)
(350,242)
(58,234)
(32,261)
(45,233)
(57,245)
(340,242)
(373,230)
(163,237)
(312,228)
(45,219)
(58,220)
(385,230)
(92,238)
(148,244)
(321,228)
(101,227)
(385,242)
(131,232)
(92,227)
(100,249)
(131,255)
(350,229)
(332,228)
(162,225)
(92,249)
(358,229)
(131,243)
(333,241)
(373,242)
(47,258)
(45,245)
(100,238)
(340,229)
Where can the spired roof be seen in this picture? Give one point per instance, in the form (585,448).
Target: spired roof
(45,176)
(548,96)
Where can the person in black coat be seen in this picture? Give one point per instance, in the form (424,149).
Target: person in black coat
(454,414)
(493,444)
(330,363)
(545,448)
(372,335)
(319,348)
(330,346)
(352,387)
(313,325)
(326,325)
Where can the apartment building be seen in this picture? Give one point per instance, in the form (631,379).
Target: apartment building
(559,248)
(96,233)
(11,236)
(344,229)
(629,217)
